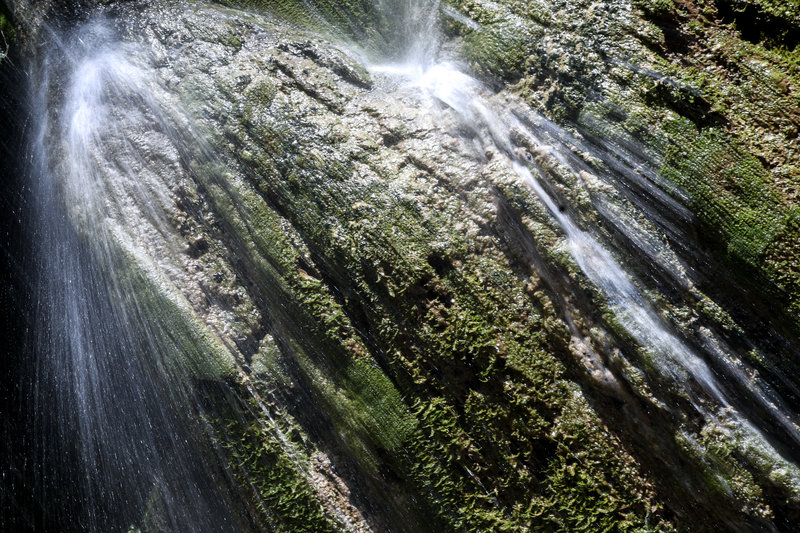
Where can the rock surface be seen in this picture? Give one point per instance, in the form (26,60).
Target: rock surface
(383,324)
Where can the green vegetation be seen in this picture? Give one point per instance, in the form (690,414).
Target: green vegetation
(357,21)
(265,460)
(420,368)
(370,272)
(708,91)
(721,111)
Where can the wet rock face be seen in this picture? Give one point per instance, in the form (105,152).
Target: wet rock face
(407,340)
(346,243)
(677,85)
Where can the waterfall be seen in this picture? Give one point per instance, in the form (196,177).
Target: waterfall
(724,395)
(138,430)
(417,29)
(109,386)
(254,305)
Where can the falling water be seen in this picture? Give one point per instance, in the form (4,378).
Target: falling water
(667,358)
(109,386)
(115,379)
(418,30)
(122,353)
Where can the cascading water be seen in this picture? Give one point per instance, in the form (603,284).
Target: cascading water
(121,352)
(106,387)
(723,395)
(177,385)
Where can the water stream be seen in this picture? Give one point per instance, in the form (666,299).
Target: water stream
(108,386)
(719,395)
(116,326)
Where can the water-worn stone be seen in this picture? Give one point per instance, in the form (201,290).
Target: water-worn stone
(410,341)
(362,232)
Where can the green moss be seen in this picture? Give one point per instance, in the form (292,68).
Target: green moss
(656,8)
(726,149)
(185,345)
(187,342)
(270,462)
(731,474)
(399,302)
(378,406)
(439,340)
(499,46)
(499,49)
(738,201)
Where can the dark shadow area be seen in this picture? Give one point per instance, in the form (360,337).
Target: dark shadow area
(685,101)
(757,26)
(19,505)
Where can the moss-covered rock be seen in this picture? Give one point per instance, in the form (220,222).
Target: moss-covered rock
(411,343)
(683,81)
(337,215)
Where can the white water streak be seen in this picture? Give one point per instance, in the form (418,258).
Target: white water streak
(670,356)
